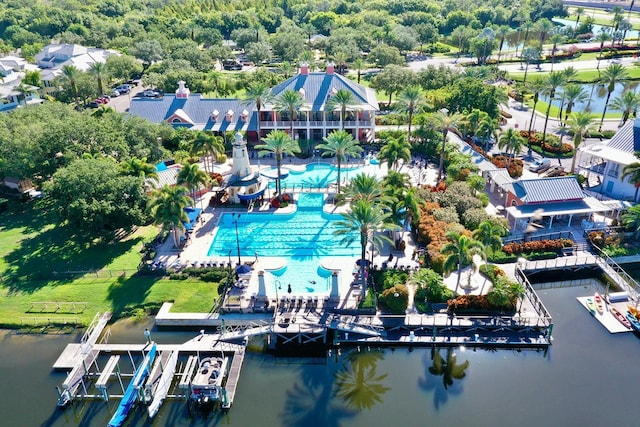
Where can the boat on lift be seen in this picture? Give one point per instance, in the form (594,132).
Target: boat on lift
(131,393)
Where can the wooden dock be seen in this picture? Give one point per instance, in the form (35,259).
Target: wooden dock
(233,377)
(70,357)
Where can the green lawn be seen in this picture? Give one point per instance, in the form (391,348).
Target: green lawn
(583,76)
(32,247)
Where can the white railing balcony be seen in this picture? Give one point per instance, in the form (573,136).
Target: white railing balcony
(613,173)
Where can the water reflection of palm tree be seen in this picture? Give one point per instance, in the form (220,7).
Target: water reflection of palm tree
(358,382)
(449,369)
(310,401)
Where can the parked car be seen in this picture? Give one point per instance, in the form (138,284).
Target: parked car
(125,88)
(115,93)
(93,104)
(229,64)
(540,165)
(149,93)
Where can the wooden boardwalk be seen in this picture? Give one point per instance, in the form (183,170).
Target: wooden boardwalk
(233,377)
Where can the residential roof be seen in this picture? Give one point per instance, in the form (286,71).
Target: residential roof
(195,112)
(627,138)
(607,152)
(547,190)
(318,87)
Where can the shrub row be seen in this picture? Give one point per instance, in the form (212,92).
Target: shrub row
(548,245)
(550,145)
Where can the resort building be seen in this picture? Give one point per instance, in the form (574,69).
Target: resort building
(13,92)
(603,162)
(195,112)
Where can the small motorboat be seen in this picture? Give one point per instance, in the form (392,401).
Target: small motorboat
(599,303)
(635,323)
(591,306)
(621,317)
(634,311)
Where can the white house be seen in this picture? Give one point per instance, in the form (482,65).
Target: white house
(603,162)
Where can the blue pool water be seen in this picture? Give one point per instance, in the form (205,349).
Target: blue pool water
(316,175)
(303,238)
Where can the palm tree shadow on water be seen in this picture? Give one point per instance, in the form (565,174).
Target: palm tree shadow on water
(449,369)
(326,397)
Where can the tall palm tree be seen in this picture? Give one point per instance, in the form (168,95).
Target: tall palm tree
(139,167)
(442,121)
(613,74)
(367,220)
(340,58)
(632,171)
(210,145)
(627,102)
(278,143)
(341,145)
(99,71)
(358,64)
(489,233)
(290,102)
(573,93)
(394,150)
(529,54)
(502,33)
(459,250)
(554,80)
(555,40)
(409,101)
(602,37)
(193,177)
(258,94)
(579,124)
(343,101)
(536,86)
(544,27)
(578,12)
(486,129)
(70,75)
(511,141)
(167,209)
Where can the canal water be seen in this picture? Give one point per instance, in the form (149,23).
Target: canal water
(588,378)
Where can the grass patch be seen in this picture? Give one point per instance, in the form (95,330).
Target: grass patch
(582,76)
(32,247)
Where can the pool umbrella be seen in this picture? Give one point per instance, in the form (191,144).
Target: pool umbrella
(243,269)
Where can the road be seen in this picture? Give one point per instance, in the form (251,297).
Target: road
(121,103)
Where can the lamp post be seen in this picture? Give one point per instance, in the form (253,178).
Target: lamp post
(236,217)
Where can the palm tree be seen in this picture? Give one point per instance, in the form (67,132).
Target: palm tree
(358,64)
(489,233)
(486,128)
(529,54)
(99,71)
(536,86)
(410,100)
(286,69)
(627,102)
(341,145)
(602,37)
(70,75)
(511,141)
(343,100)
(366,220)
(442,121)
(290,102)
(573,93)
(613,74)
(258,94)
(579,124)
(544,26)
(278,143)
(340,58)
(579,12)
(210,145)
(631,219)
(555,39)
(459,251)
(632,171)
(139,167)
(394,150)
(167,209)
(193,177)
(554,80)
(365,187)
(502,33)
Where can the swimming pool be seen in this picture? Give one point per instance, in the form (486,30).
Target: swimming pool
(303,238)
(316,175)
